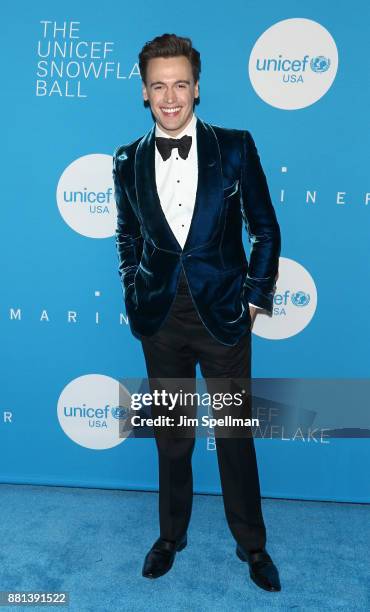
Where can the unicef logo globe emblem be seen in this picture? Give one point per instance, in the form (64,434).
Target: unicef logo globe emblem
(320,63)
(121,412)
(300,298)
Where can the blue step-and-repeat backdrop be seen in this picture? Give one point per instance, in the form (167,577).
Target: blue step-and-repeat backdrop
(297,78)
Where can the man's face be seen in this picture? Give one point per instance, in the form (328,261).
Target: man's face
(170,90)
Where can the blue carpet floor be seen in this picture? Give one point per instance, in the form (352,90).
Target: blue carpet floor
(92,543)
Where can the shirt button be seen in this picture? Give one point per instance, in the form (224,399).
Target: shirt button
(182,225)
(179,204)
(177,181)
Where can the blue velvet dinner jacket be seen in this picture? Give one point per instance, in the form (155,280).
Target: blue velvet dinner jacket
(231,188)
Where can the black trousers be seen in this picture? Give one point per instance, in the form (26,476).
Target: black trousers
(171,356)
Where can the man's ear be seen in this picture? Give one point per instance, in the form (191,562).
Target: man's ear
(145,96)
(196,90)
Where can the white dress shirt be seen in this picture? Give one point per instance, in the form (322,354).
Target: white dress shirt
(177,181)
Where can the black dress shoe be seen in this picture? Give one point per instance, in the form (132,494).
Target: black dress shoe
(161,556)
(261,568)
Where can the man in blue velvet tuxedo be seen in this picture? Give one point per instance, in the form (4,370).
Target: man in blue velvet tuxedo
(182,192)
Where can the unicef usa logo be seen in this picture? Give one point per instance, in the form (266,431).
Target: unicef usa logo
(85,196)
(94,410)
(293,63)
(295,302)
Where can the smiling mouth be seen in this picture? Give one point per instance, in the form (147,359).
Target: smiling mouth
(171,112)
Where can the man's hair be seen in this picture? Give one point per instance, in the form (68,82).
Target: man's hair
(169,45)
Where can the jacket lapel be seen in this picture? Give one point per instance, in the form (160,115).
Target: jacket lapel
(209,196)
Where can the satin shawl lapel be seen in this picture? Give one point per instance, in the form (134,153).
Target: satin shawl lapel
(209,196)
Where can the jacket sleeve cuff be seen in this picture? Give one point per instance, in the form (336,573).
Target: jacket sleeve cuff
(257,298)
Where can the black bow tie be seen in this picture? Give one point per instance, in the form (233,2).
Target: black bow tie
(165,146)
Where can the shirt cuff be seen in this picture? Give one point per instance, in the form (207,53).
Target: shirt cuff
(259,307)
